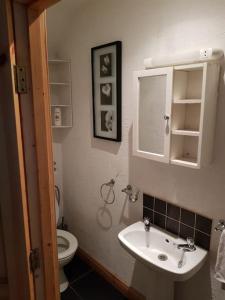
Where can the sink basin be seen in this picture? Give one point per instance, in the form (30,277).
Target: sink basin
(158,250)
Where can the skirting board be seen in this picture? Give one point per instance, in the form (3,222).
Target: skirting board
(128,292)
(4,289)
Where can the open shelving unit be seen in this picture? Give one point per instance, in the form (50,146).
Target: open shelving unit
(184,150)
(61,91)
(187,106)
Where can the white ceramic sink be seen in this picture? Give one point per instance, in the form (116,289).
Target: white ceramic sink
(148,246)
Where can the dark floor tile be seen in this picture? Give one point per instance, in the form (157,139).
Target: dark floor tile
(148,201)
(76,268)
(94,287)
(69,294)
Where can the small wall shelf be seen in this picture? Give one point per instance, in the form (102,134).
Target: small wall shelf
(60,105)
(61,91)
(187,83)
(59,61)
(184,150)
(61,126)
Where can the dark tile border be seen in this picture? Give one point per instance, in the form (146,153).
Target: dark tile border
(177,220)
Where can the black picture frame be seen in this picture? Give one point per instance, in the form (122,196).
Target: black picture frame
(106,62)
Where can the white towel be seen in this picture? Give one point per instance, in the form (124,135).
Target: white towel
(220,262)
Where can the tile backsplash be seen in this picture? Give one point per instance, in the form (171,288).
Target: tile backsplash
(177,220)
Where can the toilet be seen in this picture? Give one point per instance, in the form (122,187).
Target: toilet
(67,245)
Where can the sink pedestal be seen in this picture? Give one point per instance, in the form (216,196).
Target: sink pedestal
(154,285)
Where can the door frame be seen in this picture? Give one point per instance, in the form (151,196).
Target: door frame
(26,175)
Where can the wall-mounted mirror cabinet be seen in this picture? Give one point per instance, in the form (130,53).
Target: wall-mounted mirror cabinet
(175,113)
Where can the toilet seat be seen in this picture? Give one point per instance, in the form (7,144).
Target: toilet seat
(69,242)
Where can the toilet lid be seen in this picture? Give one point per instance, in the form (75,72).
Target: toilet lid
(67,244)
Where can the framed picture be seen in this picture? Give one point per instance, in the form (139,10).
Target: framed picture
(106,90)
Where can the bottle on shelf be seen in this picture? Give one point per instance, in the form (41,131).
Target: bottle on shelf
(57,116)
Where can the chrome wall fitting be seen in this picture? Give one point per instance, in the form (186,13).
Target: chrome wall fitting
(127,190)
(220,226)
(132,195)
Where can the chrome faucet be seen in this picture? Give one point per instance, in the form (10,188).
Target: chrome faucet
(147,223)
(189,247)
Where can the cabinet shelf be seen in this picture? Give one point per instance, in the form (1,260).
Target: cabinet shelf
(187,101)
(60,83)
(59,61)
(188,83)
(185,161)
(61,105)
(184,150)
(63,126)
(185,132)
(186,117)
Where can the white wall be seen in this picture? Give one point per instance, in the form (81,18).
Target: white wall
(58,170)
(146,28)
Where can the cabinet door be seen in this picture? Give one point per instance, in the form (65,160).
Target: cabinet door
(153,97)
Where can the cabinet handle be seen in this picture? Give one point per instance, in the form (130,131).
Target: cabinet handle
(166,118)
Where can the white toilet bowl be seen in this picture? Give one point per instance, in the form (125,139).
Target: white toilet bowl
(67,246)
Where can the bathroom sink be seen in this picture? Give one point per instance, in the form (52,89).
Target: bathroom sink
(158,250)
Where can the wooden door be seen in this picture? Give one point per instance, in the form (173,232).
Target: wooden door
(26,172)
(12,177)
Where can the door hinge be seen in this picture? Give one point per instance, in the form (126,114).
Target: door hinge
(34,259)
(20,80)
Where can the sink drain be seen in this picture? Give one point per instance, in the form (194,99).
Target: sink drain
(162,257)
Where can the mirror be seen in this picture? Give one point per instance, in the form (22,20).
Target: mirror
(152,107)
